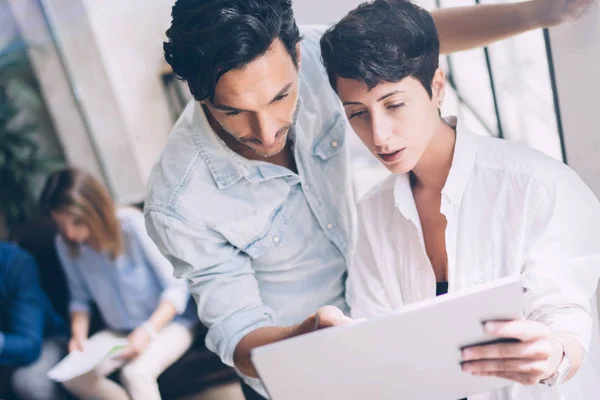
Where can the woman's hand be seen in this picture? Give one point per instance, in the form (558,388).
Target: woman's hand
(535,357)
(138,340)
(76,343)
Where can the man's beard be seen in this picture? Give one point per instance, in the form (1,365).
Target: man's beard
(278,136)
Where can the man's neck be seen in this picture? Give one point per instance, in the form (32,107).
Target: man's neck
(432,170)
(284,158)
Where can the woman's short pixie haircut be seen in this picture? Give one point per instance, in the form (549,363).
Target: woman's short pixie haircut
(382,41)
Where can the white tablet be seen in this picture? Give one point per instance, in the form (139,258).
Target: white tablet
(413,353)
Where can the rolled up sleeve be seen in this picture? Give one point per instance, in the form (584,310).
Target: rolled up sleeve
(219,277)
(562,266)
(80,295)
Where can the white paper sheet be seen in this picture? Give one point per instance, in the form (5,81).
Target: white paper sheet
(95,352)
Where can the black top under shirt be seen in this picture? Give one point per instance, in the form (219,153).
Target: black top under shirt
(441,288)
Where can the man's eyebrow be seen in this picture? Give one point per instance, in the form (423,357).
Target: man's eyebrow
(226,108)
(223,107)
(282,92)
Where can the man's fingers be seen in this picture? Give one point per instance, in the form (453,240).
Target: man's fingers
(536,350)
(330,316)
(525,331)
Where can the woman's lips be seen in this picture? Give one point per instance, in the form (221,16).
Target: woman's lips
(391,157)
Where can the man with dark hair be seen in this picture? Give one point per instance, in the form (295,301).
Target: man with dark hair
(460,209)
(251,200)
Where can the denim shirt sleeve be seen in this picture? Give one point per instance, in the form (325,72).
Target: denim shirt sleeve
(22,339)
(175,290)
(80,295)
(219,276)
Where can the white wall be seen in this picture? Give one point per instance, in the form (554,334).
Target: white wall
(108,54)
(68,123)
(322,11)
(329,11)
(576,50)
(576,53)
(129,36)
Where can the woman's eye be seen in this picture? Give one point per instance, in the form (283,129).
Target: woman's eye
(357,114)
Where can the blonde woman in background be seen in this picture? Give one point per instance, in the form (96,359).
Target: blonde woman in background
(109,260)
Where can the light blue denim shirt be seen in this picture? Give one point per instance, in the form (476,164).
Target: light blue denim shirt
(128,289)
(258,244)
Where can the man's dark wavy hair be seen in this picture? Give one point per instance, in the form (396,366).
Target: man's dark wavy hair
(382,41)
(208,38)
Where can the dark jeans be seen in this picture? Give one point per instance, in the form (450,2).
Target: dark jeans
(249,393)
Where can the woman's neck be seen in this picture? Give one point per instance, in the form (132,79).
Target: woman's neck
(431,172)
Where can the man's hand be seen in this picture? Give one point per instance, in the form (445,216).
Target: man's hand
(535,358)
(325,317)
(556,12)
(329,316)
(138,341)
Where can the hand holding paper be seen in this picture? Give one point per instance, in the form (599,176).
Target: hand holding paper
(95,351)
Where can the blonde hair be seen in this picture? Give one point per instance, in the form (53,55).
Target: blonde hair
(80,194)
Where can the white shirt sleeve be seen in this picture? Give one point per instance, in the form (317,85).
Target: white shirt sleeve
(562,257)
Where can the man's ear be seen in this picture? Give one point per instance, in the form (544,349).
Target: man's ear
(438,87)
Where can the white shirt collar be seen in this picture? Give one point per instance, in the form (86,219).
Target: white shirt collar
(463,162)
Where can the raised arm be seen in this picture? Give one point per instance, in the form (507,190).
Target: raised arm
(464,28)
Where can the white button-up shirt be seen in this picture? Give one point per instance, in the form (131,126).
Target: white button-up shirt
(510,210)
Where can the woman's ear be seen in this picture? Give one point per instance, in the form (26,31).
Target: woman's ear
(438,88)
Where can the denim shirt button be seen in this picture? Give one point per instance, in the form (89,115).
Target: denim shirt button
(329,226)
(334,144)
(276,239)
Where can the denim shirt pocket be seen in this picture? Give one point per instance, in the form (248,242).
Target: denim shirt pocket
(261,229)
(271,237)
(331,168)
(330,141)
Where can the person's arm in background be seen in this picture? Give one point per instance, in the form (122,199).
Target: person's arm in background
(79,303)
(464,28)
(80,327)
(174,297)
(21,342)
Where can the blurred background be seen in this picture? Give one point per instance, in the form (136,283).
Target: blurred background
(84,83)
